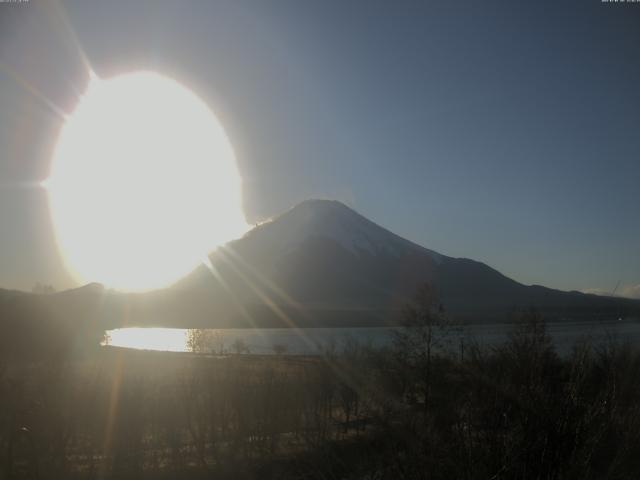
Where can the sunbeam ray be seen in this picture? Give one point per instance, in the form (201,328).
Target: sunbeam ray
(216,274)
(267,282)
(72,38)
(266,299)
(30,88)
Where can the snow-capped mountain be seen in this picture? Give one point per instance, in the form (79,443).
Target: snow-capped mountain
(335,221)
(323,263)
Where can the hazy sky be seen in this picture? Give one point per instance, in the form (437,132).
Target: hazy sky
(507,132)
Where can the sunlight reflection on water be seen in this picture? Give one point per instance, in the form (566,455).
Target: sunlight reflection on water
(310,341)
(165,339)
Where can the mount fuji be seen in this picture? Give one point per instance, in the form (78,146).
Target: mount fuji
(322,263)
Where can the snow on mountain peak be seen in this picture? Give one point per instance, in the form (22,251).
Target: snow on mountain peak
(334,220)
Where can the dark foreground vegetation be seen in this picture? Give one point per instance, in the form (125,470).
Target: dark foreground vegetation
(417,410)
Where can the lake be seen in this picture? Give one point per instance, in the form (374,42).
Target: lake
(311,341)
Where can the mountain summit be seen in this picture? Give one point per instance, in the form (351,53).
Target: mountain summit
(333,220)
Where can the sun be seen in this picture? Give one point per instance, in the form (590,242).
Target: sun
(143,183)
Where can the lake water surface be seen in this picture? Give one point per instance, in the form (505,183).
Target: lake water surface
(310,341)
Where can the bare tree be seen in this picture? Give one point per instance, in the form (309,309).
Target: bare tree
(425,331)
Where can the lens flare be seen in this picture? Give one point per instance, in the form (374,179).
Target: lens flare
(143,183)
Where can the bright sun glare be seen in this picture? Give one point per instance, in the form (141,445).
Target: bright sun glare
(143,183)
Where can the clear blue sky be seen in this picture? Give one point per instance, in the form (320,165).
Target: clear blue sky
(507,132)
